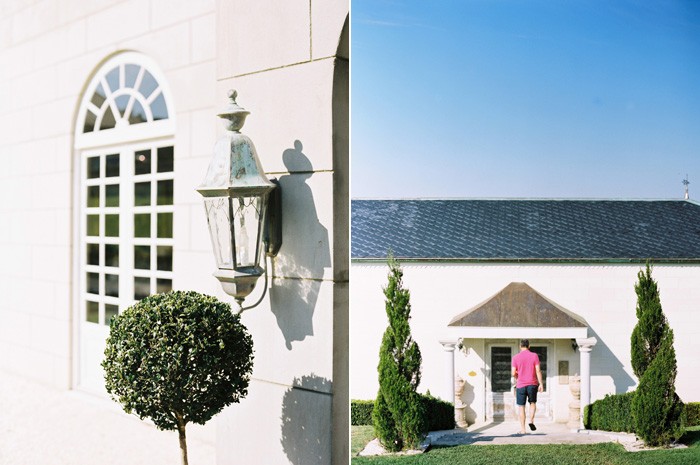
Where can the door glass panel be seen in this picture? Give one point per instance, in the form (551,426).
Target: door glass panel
(111,255)
(93,196)
(110,311)
(93,225)
(93,254)
(92,311)
(164,285)
(93,168)
(112,285)
(165,192)
(165,159)
(142,162)
(112,195)
(541,352)
(142,225)
(112,225)
(142,257)
(501,358)
(112,166)
(142,194)
(142,288)
(93,283)
(165,225)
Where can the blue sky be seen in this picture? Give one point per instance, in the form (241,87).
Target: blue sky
(488,98)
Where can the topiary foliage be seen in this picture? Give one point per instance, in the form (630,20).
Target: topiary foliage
(399,417)
(657,410)
(177,358)
(612,413)
(651,322)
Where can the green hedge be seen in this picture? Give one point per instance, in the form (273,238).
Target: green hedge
(692,411)
(441,414)
(361,412)
(612,413)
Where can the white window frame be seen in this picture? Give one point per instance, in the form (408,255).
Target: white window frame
(124,139)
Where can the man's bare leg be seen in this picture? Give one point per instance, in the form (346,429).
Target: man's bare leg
(533,409)
(521,414)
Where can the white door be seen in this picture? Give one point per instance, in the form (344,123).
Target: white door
(500,393)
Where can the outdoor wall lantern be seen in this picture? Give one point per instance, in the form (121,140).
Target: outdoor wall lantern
(242,207)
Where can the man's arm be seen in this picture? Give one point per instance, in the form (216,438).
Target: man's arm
(540,388)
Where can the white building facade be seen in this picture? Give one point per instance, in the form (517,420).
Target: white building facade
(108,124)
(468,314)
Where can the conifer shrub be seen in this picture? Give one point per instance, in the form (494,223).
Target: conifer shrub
(657,410)
(177,358)
(398,416)
(361,412)
(611,413)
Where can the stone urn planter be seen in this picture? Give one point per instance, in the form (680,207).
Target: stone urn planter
(460,406)
(574,422)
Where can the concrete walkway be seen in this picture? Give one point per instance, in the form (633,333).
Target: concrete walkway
(41,425)
(507,433)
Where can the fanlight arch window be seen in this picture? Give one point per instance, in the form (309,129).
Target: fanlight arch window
(124,200)
(126,92)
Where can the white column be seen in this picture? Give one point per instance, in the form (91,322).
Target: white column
(449,390)
(585,346)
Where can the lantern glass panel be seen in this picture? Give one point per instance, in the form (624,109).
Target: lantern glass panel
(220,230)
(246,227)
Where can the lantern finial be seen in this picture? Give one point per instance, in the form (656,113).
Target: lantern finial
(233,113)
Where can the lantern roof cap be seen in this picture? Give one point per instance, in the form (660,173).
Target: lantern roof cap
(233,112)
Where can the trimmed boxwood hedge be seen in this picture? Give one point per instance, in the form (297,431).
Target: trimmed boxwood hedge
(692,411)
(361,412)
(612,413)
(440,414)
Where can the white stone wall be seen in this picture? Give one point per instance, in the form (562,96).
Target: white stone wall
(48,52)
(603,295)
(285,60)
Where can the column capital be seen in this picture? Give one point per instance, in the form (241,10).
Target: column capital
(448,346)
(586,344)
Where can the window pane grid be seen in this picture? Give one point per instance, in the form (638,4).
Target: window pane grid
(112,276)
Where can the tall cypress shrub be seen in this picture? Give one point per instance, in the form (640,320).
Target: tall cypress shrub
(651,322)
(656,408)
(398,416)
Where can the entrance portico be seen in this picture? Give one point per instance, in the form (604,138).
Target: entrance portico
(492,330)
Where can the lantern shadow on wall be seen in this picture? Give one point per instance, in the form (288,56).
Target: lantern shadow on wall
(293,297)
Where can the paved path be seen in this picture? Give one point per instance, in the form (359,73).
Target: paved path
(40,425)
(506,433)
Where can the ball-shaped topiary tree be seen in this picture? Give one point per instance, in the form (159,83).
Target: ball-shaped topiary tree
(177,358)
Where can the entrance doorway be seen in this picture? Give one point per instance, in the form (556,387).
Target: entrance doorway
(500,393)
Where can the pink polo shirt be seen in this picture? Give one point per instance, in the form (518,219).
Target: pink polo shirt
(524,363)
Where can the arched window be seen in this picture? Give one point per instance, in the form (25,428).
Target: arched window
(124,143)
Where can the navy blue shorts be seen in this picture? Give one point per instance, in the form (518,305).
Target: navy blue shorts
(526,392)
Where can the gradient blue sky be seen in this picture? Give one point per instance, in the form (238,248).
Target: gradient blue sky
(488,98)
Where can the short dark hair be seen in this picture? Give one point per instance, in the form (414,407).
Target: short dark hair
(525,343)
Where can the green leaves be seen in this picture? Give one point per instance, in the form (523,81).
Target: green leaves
(177,352)
(656,409)
(399,415)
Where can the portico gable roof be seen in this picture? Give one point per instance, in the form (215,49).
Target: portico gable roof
(519,310)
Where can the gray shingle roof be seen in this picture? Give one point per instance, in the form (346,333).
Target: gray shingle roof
(520,230)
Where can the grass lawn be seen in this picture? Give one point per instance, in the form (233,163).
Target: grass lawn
(360,436)
(594,454)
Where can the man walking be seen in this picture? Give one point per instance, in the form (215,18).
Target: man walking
(526,369)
